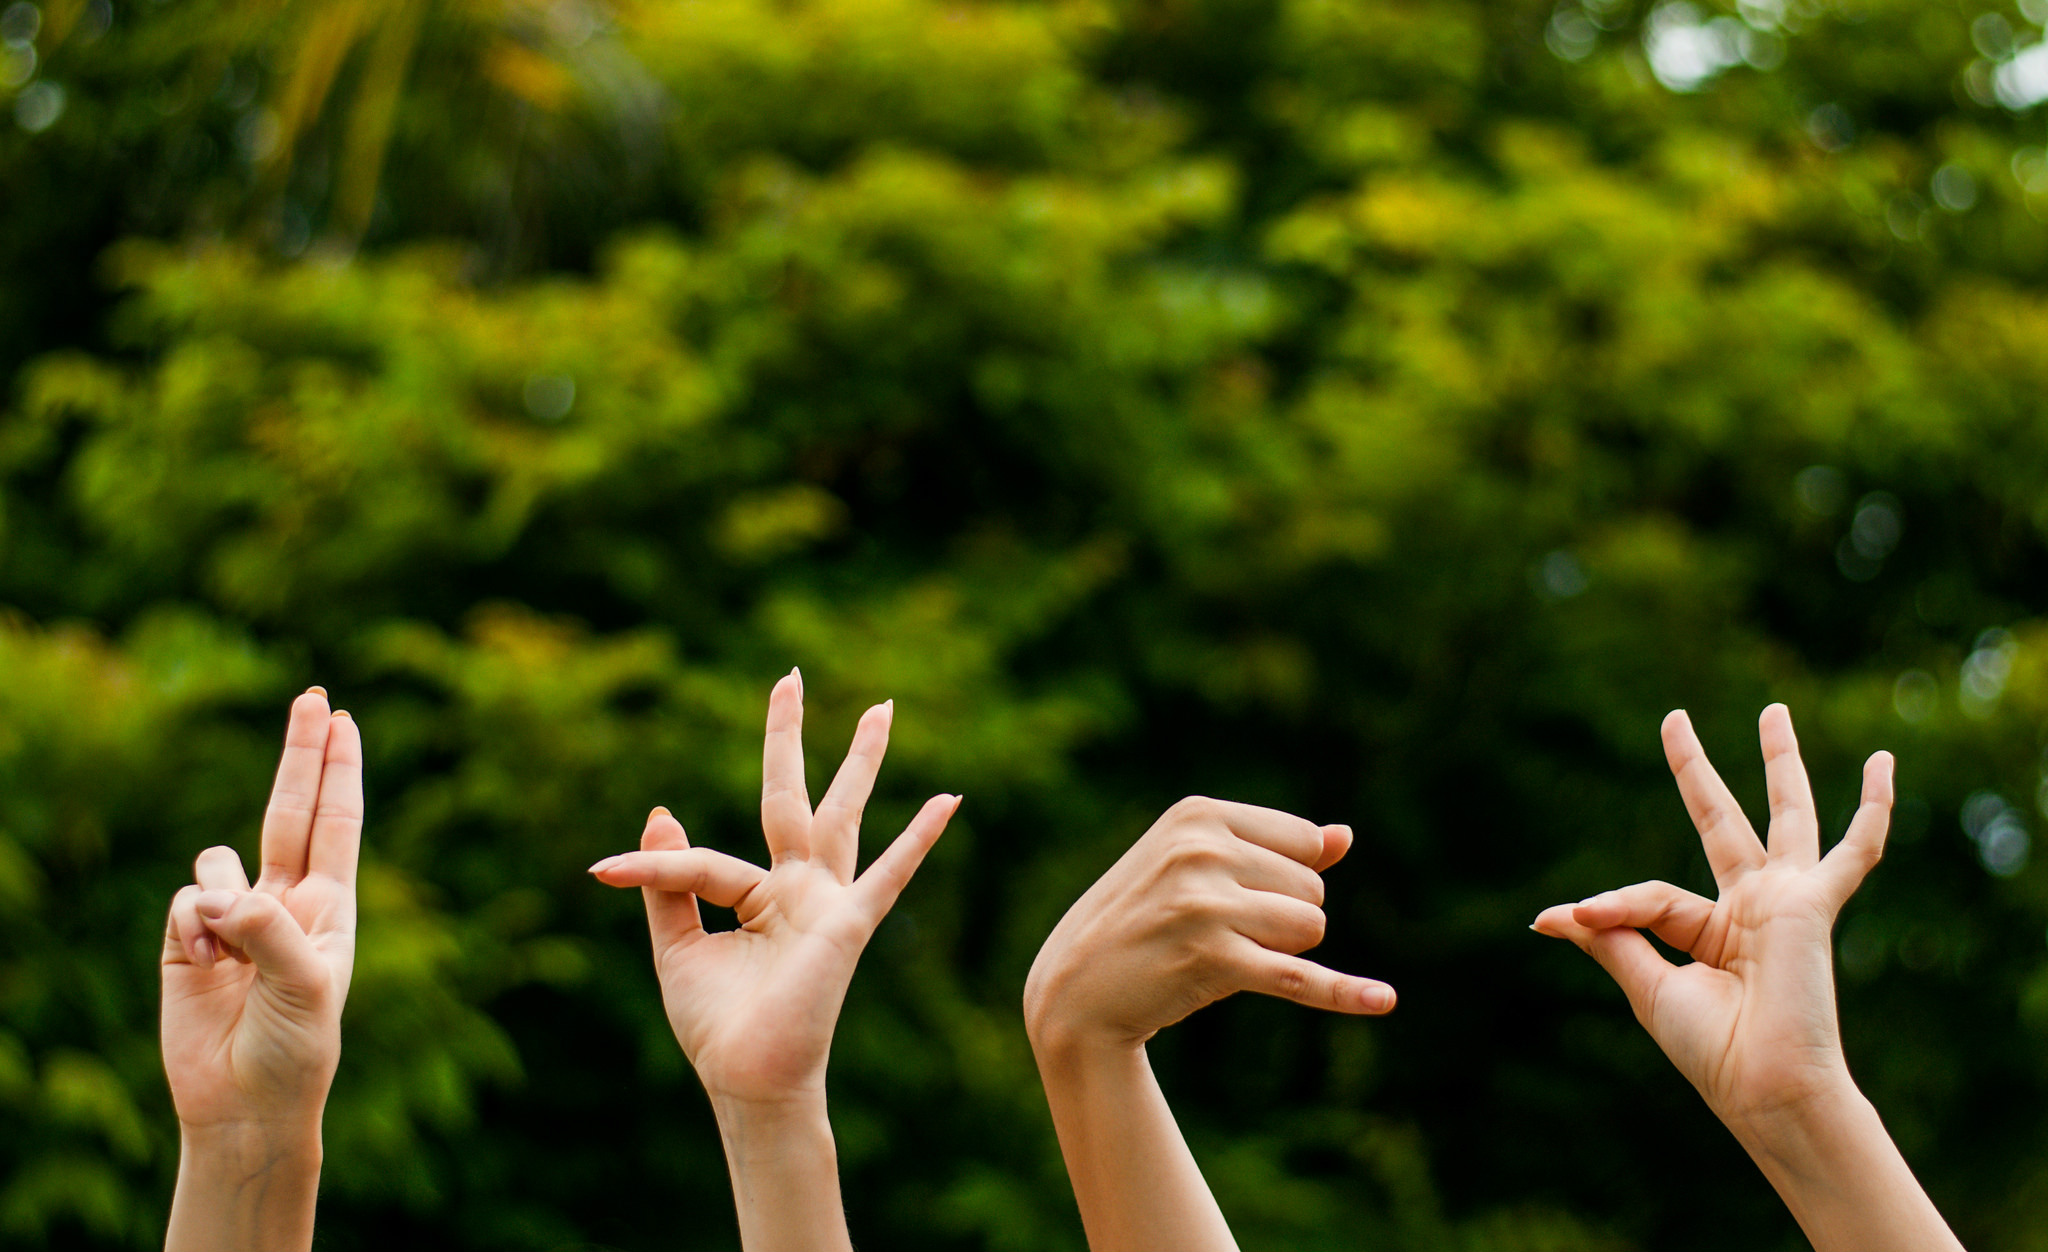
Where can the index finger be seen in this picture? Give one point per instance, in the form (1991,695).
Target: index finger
(288,821)
(338,818)
(1731,845)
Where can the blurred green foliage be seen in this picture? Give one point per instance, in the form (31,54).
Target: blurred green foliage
(1380,410)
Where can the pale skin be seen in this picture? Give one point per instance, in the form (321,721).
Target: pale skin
(1750,1021)
(1214,899)
(754,1007)
(253,982)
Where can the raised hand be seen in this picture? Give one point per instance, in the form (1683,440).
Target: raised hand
(754,1008)
(253,984)
(1751,1021)
(1214,899)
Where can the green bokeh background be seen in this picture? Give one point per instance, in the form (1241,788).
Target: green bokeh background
(1378,409)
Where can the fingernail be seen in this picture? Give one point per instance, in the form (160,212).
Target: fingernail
(343,713)
(1377,999)
(214,904)
(203,948)
(798,674)
(317,691)
(604,865)
(661,810)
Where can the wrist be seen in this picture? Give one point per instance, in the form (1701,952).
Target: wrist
(1066,1036)
(767,1108)
(282,1139)
(1083,1067)
(245,1186)
(1802,1128)
(784,1165)
(1064,1043)
(764,1137)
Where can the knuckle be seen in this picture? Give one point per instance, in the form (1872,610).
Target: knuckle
(1198,903)
(1195,809)
(258,910)
(1196,853)
(1293,982)
(1315,924)
(1301,930)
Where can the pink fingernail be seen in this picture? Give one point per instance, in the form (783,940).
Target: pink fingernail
(317,691)
(604,865)
(214,905)
(1377,999)
(207,952)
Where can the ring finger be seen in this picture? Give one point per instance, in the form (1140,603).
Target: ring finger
(219,869)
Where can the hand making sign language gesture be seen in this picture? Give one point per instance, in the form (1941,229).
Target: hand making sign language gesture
(754,1008)
(1751,1020)
(1216,898)
(253,984)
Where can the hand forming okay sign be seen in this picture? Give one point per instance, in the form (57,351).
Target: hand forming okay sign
(1751,1021)
(754,1007)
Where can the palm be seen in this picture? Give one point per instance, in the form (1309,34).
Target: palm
(757,1004)
(1751,1021)
(1755,1007)
(229,1035)
(251,1030)
(754,1007)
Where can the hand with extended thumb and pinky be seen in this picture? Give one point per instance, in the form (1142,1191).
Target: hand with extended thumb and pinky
(253,983)
(1216,898)
(1750,1020)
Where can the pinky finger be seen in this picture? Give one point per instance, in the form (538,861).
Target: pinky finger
(885,880)
(187,941)
(1317,986)
(1862,846)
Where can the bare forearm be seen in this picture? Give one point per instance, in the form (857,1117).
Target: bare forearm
(1137,1184)
(785,1175)
(245,1190)
(1844,1179)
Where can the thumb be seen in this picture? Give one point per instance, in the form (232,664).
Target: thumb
(1305,982)
(258,923)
